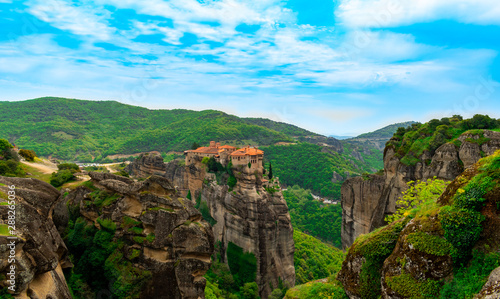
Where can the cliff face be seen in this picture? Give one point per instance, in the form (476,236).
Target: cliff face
(365,203)
(40,253)
(163,238)
(247,216)
(257,221)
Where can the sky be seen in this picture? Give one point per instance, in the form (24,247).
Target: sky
(340,67)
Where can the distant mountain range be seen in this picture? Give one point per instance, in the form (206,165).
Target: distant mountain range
(340,137)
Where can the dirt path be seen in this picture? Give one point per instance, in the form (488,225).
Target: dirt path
(44,167)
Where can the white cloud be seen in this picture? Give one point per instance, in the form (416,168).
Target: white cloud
(390,13)
(81,20)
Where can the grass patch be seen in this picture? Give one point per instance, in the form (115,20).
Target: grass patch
(36,173)
(4,230)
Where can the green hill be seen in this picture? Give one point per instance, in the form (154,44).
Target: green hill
(90,130)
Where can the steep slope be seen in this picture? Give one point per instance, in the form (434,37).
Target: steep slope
(441,149)
(443,248)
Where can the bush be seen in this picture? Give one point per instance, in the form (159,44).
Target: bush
(231,182)
(10,168)
(29,155)
(471,197)
(59,178)
(69,166)
(418,192)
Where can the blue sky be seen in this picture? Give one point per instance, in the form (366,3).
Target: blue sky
(334,67)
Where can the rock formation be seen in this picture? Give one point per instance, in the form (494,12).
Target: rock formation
(40,253)
(162,237)
(249,216)
(366,202)
(414,257)
(147,165)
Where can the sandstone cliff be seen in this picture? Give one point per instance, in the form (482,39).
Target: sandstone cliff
(40,253)
(248,216)
(366,201)
(163,245)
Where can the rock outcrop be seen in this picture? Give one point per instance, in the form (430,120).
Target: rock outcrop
(419,254)
(163,237)
(146,165)
(248,216)
(365,203)
(40,253)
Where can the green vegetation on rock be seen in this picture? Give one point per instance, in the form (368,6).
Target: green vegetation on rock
(409,287)
(409,144)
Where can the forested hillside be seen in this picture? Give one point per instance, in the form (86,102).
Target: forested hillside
(89,131)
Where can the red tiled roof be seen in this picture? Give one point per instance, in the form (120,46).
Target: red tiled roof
(205,150)
(246,151)
(227,146)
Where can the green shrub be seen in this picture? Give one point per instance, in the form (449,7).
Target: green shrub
(471,196)
(59,178)
(69,166)
(11,168)
(429,243)
(29,155)
(462,229)
(231,182)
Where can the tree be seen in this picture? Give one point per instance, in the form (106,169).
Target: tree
(29,155)
(4,145)
(69,166)
(195,145)
(418,192)
(270,175)
(250,290)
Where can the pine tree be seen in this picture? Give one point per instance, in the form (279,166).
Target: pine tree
(270,175)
